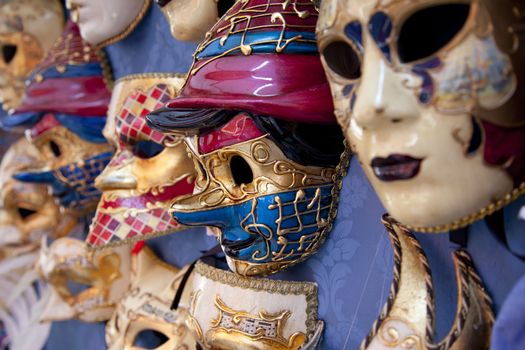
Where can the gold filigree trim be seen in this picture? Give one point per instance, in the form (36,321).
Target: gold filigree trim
(264,327)
(469,219)
(308,289)
(129,28)
(155,75)
(247,268)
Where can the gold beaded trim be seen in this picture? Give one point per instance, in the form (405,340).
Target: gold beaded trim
(150,76)
(469,219)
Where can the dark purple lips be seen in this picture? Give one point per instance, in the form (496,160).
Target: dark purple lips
(396,167)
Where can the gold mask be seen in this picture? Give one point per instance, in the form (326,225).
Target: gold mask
(28,29)
(147,172)
(146,308)
(227,311)
(67,262)
(407,319)
(27,211)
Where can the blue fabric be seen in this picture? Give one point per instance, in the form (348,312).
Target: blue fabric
(509,330)
(262,42)
(353,268)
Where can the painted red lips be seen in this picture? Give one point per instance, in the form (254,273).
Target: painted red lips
(396,167)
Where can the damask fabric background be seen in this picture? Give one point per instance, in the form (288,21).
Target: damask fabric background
(354,267)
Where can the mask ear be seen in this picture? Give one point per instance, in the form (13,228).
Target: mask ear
(56,309)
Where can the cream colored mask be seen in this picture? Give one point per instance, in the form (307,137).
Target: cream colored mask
(148,170)
(430,95)
(28,29)
(103,22)
(189,20)
(68,266)
(227,311)
(27,211)
(143,318)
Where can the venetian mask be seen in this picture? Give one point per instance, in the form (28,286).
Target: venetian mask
(105,22)
(265,176)
(143,318)
(189,20)
(67,127)
(27,211)
(85,285)
(226,311)
(148,171)
(28,28)
(428,93)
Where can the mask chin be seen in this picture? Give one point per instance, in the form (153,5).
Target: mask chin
(273,230)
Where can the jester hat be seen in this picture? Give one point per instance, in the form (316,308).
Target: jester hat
(262,58)
(71,83)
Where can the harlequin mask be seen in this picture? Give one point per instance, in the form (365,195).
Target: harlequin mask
(66,264)
(191,19)
(28,28)
(435,115)
(264,174)
(226,311)
(148,170)
(67,127)
(27,211)
(105,22)
(143,318)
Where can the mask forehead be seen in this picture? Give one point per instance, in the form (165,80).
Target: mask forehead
(131,121)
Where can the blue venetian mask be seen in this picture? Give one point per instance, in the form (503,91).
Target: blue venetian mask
(76,153)
(272,203)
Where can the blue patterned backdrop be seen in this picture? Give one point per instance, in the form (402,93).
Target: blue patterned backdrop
(353,268)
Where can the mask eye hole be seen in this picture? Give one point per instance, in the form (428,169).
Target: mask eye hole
(55,149)
(428,30)
(25,213)
(342,59)
(147,149)
(149,339)
(9,52)
(223,6)
(75,287)
(241,171)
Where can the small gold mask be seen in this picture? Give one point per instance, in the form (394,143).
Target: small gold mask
(146,308)
(67,262)
(27,211)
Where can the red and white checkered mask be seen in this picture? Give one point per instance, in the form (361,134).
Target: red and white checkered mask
(149,169)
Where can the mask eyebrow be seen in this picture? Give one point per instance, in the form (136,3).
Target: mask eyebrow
(354,32)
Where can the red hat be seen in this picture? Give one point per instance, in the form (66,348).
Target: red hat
(261,57)
(69,80)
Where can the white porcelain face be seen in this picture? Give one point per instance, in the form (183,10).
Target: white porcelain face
(410,108)
(189,20)
(100,21)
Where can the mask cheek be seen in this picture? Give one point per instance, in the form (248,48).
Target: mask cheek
(464,82)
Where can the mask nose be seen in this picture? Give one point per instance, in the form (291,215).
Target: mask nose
(384,95)
(117,177)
